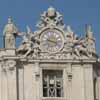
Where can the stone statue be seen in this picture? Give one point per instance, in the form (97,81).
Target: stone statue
(9,32)
(68,40)
(75,44)
(26,47)
(80,47)
(69,33)
(35,50)
(29,44)
(90,40)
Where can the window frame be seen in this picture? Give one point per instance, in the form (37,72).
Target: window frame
(55,76)
(54,66)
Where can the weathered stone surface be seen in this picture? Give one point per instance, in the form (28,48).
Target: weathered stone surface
(53,47)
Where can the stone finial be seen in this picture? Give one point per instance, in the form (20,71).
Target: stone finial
(51,12)
(69,31)
(89,32)
(90,40)
(28,29)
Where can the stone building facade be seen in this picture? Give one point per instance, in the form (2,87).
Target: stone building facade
(52,63)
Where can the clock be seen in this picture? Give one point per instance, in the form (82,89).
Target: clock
(52,41)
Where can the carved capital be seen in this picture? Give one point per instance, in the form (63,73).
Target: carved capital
(69,71)
(37,71)
(8,65)
(69,76)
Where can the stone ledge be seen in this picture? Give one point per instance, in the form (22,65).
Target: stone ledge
(48,60)
(53,98)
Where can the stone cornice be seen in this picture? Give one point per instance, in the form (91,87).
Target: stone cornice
(16,58)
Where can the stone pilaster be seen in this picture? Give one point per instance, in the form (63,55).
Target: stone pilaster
(98,84)
(69,77)
(88,80)
(0,81)
(11,80)
(8,81)
(37,80)
(77,82)
(28,82)
(4,82)
(20,85)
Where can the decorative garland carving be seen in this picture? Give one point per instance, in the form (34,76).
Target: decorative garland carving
(8,65)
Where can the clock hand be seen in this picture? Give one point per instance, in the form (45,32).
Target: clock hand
(51,41)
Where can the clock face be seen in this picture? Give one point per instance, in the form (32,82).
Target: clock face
(52,41)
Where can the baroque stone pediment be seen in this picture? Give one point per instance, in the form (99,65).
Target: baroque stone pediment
(54,40)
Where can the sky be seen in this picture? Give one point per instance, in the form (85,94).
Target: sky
(76,13)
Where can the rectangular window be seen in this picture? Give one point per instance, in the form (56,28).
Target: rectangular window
(52,83)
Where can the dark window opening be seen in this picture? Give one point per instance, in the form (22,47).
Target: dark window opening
(52,83)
